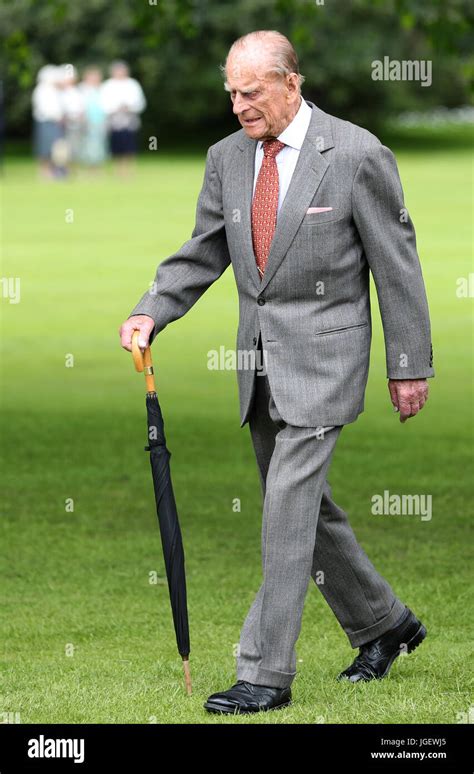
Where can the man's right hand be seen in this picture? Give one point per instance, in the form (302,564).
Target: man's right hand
(138,322)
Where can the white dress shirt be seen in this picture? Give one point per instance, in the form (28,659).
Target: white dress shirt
(293,137)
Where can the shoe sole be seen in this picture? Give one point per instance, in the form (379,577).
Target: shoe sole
(411,645)
(220,711)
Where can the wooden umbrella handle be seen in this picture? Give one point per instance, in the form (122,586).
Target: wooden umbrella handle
(143,362)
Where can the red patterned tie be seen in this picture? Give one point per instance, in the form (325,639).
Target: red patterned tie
(265,203)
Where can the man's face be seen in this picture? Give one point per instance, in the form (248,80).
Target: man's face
(120,72)
(264,103)
(93,77)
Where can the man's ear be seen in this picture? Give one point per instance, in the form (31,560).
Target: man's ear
(292,84)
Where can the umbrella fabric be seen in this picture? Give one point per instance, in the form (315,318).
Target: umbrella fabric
(168,520)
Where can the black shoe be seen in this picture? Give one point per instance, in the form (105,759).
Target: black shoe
(244,698)
(376,657)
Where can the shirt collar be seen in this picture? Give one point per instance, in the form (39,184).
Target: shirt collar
(295,132)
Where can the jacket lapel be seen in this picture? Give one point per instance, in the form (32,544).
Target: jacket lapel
(307,176)
(248,147)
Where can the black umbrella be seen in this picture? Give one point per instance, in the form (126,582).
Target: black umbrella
(166,507)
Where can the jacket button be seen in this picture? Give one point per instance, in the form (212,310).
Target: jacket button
(254,339)
(261,301)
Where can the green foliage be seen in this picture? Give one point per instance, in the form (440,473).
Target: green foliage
(175,48)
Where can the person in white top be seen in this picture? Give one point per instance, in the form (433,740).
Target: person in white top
(48,113)
(123,101)
(73,107)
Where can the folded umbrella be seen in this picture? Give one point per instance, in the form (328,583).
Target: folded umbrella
(171,538)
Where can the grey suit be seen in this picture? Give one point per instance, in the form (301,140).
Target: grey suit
(312,306)
(311,312)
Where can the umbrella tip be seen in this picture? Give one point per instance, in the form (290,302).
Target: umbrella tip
(187,676)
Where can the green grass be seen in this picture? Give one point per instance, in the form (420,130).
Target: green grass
(81,578)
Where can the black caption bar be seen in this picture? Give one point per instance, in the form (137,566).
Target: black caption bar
(65,748)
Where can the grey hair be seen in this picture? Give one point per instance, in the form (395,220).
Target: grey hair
(284,59)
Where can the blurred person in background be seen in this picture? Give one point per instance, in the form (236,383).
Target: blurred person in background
(123,100)
(48,112)
(94,137)
(73,111)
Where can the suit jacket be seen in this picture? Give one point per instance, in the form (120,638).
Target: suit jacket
(312,306)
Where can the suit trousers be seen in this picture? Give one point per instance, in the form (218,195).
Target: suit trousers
(305,536)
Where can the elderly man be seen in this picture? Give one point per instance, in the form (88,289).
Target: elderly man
(304,206)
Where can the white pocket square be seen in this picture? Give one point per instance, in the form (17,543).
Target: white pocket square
(318,209)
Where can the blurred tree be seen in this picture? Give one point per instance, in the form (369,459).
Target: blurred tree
(174,48)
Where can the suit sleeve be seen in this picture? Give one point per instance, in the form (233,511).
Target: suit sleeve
(389,242)
(183,277)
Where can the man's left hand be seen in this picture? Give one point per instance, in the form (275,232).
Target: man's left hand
(408,396)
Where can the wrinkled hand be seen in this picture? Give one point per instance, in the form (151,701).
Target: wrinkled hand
(139,322)
(408,396)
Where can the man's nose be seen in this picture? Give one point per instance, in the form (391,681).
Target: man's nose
(239,104)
